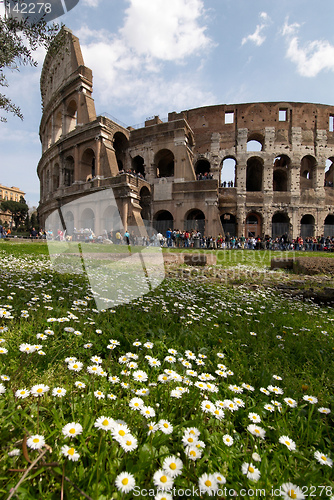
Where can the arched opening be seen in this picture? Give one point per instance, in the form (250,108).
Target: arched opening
(87,220)
(69,171)
(190,141)
(138,165)
(329,226)
(162,221)
(55,177)
(307,226)
(253,227)
(229,223)
(307,172)
(254,174)
(111,220)
(255,143)
(145,203)
(87,171)
(71,116)
(164,161)
(329,172)
(280,225)
(202,169)
(121,144)
(280,180)
(58,126)
(195,221)
(228,173)
(69,223)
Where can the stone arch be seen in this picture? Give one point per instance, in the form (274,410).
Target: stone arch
(87,219)
(138,166)
(145,203)
(307,225)
(280,224)
(280,180)
(164,161)
(254,174)
(71,116)
(69,171)
(58,126)
(329,226)
(229,223)
(228,172)
(121,145)
(195,220)
(307,172)
(69,222)
(162,221)
(255,142)
(55,177)
(253,226)
(329,172)
(202,167)
(87,170)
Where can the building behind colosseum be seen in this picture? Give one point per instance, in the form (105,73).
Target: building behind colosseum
(282,185)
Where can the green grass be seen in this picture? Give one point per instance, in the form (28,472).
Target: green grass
(258,333)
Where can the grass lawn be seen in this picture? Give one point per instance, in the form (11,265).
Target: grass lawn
(197,386)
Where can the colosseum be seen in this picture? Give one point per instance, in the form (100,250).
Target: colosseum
(170,173)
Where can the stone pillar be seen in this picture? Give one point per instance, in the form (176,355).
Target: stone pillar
(76,164)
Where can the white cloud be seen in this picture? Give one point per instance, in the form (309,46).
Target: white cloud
(165,29)
(310,59)
(257,37)
(91,3)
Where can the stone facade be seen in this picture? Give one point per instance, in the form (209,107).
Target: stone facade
(283,186)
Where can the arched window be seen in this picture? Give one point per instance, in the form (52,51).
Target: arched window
(138,165)
(253,225)
(307,172)
(229,223)
(307,226)
(329,226)
(254,174)
(87,171)
(87,220)
(145,203)
(255,143)
(202,169)
(280,225)
(280,180)
(71,116)
(164,161)
(162,221)
(121,145)
(195,221)
(55,177)
(228,173)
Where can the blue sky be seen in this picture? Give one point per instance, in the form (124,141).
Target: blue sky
(151,57)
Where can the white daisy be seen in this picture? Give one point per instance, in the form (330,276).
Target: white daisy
(250,471)
(172,466)
(104,423)
(72,430)
(39,390)
(228,440)
(162,480)
(36,442)
(70,453)
(22,393)
(323,459)
(289,490)
(256,430)
(125,482)
(291,445)
(128,443)
(311,399)
(254,417)
(208,484)
(165,426)
(59,392)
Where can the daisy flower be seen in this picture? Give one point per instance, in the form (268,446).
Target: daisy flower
(163,496)
(36,442)
(289,490)
(265,391)
(274,389)
(323,459)
(220,355)
(254,417)
(250,471)
(235,388)
(15,452)
(291,445)
(219,478)
(152,427)
(22,393)
(147,411)
(113,379)
(70,359)
(172,466)
(311,399)
(270,408)
(228,440)
(39,390)
(140,376)
(189,440)
(193,453)
(137,344)
(277,377)
(162,480)
(207,483)
(5,378)
(125,482)
(230,405)
(325,411)
(120,430)
(82,385)
(59,391)
(218,413)
(148,345)
(72,430)
(256,430)
(165,426)
(94,369)
(104,423)
(99,394)
(207,407)
(128,443)
(136,403)
(70,453)
(96,359)
(239,402)
(170,359)
(248,387)
(2,389)
(290,402)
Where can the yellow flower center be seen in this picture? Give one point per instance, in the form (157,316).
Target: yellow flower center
(192,453)
(129,443)
(136,404)
(125,481)
(35,440)
(163,479)
(72,431)
(323,457)
(59,391)
(121,432)
(75,366)
(208,483)
(172,466)
(22,392)
(251,470)
(105,422)
(207,406)
(165,426)
(292,494)
(190,440)
(71,451)
(39,390)
(257,431)
(287,443)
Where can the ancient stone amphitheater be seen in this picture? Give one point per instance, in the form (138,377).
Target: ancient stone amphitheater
(170,173)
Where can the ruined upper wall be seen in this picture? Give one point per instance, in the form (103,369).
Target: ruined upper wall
(256,117)
(61,66)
